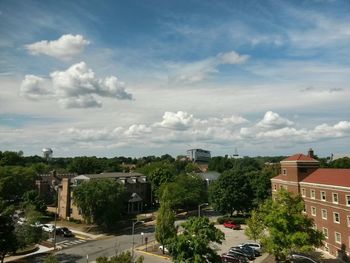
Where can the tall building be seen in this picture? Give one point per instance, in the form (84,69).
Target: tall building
(326,193)
(198,155)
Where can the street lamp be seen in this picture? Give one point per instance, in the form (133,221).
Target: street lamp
(133,230)
(142,238)
(199,208)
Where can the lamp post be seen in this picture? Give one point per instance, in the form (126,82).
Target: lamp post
(133,230)
(142,238)
(56,213)
(199,208)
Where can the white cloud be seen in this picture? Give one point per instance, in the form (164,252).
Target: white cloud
(34,87)
(67,46)
(273,120)
(136,130)
(200,70)
(76,87)
(178,121)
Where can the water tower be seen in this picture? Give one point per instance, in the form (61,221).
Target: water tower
(47,153)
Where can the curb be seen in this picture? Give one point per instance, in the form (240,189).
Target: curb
(154,255)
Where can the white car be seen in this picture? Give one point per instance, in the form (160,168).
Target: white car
(166,251)
(48,228)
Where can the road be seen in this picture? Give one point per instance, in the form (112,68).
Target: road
(105,247)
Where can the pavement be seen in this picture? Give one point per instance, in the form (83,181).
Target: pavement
(41,250)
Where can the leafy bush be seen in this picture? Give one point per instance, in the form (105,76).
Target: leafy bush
(237,220)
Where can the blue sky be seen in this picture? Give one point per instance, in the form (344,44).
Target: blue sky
(138,78)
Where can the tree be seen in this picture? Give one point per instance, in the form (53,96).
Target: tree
(163,173)
(8,242)
(286,228)
(165,228)
(340,163)
(124,257)
(187,191)
(193,244)
(231,192)
(32,198)
(101,200)
(255,225)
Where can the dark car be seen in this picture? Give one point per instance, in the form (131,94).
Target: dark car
(64,231)
(248,251)
(238,255)
(301,258)
(226,258)
(249,248)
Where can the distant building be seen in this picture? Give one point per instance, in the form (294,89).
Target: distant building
(135,184)
(326,193)
(198,155)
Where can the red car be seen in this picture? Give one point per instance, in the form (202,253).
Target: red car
(232,225)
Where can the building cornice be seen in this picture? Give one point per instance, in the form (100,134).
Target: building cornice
(324,186)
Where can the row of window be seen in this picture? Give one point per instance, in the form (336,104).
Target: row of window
(324,214)
(337,235)
(323,196)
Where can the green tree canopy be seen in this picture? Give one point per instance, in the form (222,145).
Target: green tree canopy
(286,227)
(101,201)
(8,241)
(187,191)
(165,226)
(231,192)
(32,198)
(124,257)
(193,244)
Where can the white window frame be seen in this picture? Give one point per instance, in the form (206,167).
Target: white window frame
(348,200)
(324,214)
(313,210)
(325,232)
(323,196)
(304,211)
(335,237)
(303,192)
(312,194)
(337,199)
(275,187)
(334,217)
(348,219)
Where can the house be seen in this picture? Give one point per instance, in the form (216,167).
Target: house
(135,184)
(326,193)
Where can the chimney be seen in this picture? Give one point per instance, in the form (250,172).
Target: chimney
(311,153)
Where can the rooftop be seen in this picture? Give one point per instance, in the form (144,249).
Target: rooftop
(329,176)
(110,175)
(299,157)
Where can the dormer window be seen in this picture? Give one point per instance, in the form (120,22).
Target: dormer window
(284,171)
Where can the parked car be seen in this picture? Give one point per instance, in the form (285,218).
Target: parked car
(231,259)
(48,228)
(232,225)
(254,245)
(247,247)
(166,251)
(247,251)
(238,255)
(301,258)
(64,231)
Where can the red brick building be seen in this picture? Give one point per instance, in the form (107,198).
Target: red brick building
(326,193)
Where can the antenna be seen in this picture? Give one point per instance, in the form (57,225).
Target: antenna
(236,152)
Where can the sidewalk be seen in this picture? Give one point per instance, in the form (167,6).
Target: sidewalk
(41,250)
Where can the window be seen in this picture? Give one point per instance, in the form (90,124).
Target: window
(303,192)
(284,171)
(313,210)
(304,211)
(348,200)
(337,238)
(325,232)
(323,196)
(335,198)
(336,217)
(324,214)
(275,187)
(348,221)
(313,194)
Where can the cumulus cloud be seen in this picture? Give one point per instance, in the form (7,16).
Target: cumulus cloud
(67,46)
(178,121)
(273,120)
(136,130)
(200,70)
(34,87)
(76,87)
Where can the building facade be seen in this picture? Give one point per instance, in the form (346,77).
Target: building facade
(326,193)
(136,186)
(198,155)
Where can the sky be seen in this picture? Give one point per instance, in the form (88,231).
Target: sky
(136,78)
